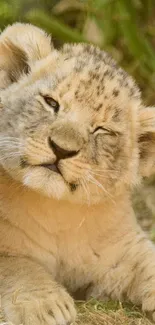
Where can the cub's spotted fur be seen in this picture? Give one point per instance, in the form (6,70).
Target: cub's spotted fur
(74,140)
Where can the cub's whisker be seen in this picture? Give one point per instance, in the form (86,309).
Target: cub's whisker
(86,188)
(97,183)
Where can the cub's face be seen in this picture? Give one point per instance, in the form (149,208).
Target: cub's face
(69,127)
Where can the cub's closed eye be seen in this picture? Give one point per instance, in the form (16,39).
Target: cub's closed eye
(102,129)
(52,103)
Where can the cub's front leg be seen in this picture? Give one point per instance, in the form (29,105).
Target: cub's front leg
(127,272)
(30,296)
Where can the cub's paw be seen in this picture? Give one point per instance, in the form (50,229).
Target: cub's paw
(47,308)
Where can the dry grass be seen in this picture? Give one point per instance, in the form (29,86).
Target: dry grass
(111,313)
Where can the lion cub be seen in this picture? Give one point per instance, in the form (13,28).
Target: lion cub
(74,140)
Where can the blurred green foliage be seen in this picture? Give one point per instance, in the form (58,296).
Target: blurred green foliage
(124,28)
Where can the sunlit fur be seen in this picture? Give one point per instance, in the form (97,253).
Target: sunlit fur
(77,227)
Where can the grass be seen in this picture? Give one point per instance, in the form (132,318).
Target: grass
(111,313)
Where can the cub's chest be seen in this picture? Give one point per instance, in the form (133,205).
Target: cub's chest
(71,243)
(77,257)
(67,239)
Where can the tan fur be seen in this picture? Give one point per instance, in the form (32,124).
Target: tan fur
(77,229)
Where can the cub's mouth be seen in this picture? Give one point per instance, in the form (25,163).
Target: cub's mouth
(53,167)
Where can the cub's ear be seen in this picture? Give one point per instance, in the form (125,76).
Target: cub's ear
(147,141)
(21,45)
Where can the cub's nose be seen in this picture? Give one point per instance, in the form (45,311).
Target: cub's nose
(61,153)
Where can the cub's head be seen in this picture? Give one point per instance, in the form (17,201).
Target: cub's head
(72,124)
